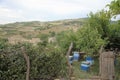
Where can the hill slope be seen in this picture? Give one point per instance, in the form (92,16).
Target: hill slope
(30,31)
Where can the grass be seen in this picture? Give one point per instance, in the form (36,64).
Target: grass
(80,74)
(94,70)
(117,68)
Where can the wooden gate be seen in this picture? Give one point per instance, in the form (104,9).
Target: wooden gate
(107,66)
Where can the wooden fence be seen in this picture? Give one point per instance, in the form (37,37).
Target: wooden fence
(107,71)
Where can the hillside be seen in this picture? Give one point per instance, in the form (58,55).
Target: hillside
(31,31)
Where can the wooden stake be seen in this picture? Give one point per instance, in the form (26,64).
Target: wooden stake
(70,71)
(27,63)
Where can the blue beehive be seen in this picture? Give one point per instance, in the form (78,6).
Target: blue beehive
(71,59)
(90,60)
(85,66)
(76,56)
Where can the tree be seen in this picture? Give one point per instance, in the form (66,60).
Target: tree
(114,27)
(65,38)
(100,21)
(44,39)
(114,7)
(114,35)
(89,40)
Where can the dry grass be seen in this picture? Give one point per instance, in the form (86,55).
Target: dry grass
(28,29)
(18,38)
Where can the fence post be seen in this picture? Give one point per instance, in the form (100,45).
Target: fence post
(27,63)
(70,71)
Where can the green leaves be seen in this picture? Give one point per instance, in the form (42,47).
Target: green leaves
(100,21)
(43,65)
(89,40)
(49,66)
(114,7)
(65,38)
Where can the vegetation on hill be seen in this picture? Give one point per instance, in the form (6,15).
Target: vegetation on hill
(31,31)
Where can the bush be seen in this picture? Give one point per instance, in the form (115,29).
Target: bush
(43,66)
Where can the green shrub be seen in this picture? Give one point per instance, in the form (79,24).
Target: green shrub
(43,66)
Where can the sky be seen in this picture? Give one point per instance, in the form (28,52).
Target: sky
(47,10)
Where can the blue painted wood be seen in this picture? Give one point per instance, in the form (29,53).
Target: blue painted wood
(90,60)
(85,67)
(76,56)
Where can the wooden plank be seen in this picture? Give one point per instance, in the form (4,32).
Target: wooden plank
(107,66)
